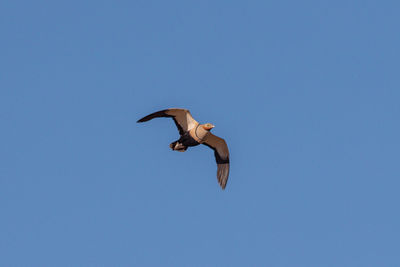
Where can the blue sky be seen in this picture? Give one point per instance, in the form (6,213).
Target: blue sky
(306,94)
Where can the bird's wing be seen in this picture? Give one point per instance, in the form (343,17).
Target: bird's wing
(221,153)
(182,118)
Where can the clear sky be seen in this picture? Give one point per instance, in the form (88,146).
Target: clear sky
(306,94)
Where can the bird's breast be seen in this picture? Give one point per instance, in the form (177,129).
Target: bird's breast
(199,134)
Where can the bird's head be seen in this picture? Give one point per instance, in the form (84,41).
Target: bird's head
(208,126)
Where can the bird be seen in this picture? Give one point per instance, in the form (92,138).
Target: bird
(192,134)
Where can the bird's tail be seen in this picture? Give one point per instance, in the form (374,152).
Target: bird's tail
(178,146)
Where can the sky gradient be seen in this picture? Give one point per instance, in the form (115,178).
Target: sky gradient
(306,94)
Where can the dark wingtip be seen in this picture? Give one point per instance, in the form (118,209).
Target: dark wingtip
(154,115)
(222,185)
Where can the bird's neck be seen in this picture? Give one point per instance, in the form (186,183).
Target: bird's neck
(199,133)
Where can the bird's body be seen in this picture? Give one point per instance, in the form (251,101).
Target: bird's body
(184,142)
(192,134)
(193,137)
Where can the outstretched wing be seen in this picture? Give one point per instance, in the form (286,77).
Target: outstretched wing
(221,153)
(182,118)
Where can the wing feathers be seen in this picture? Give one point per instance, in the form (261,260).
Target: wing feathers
(221,153)
(223,174)
(157,114)
(182,118)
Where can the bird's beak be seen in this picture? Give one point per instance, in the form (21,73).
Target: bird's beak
(208,126)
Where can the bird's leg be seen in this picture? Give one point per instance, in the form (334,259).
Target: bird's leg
(177,146)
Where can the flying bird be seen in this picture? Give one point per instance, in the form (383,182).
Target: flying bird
(193,133)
